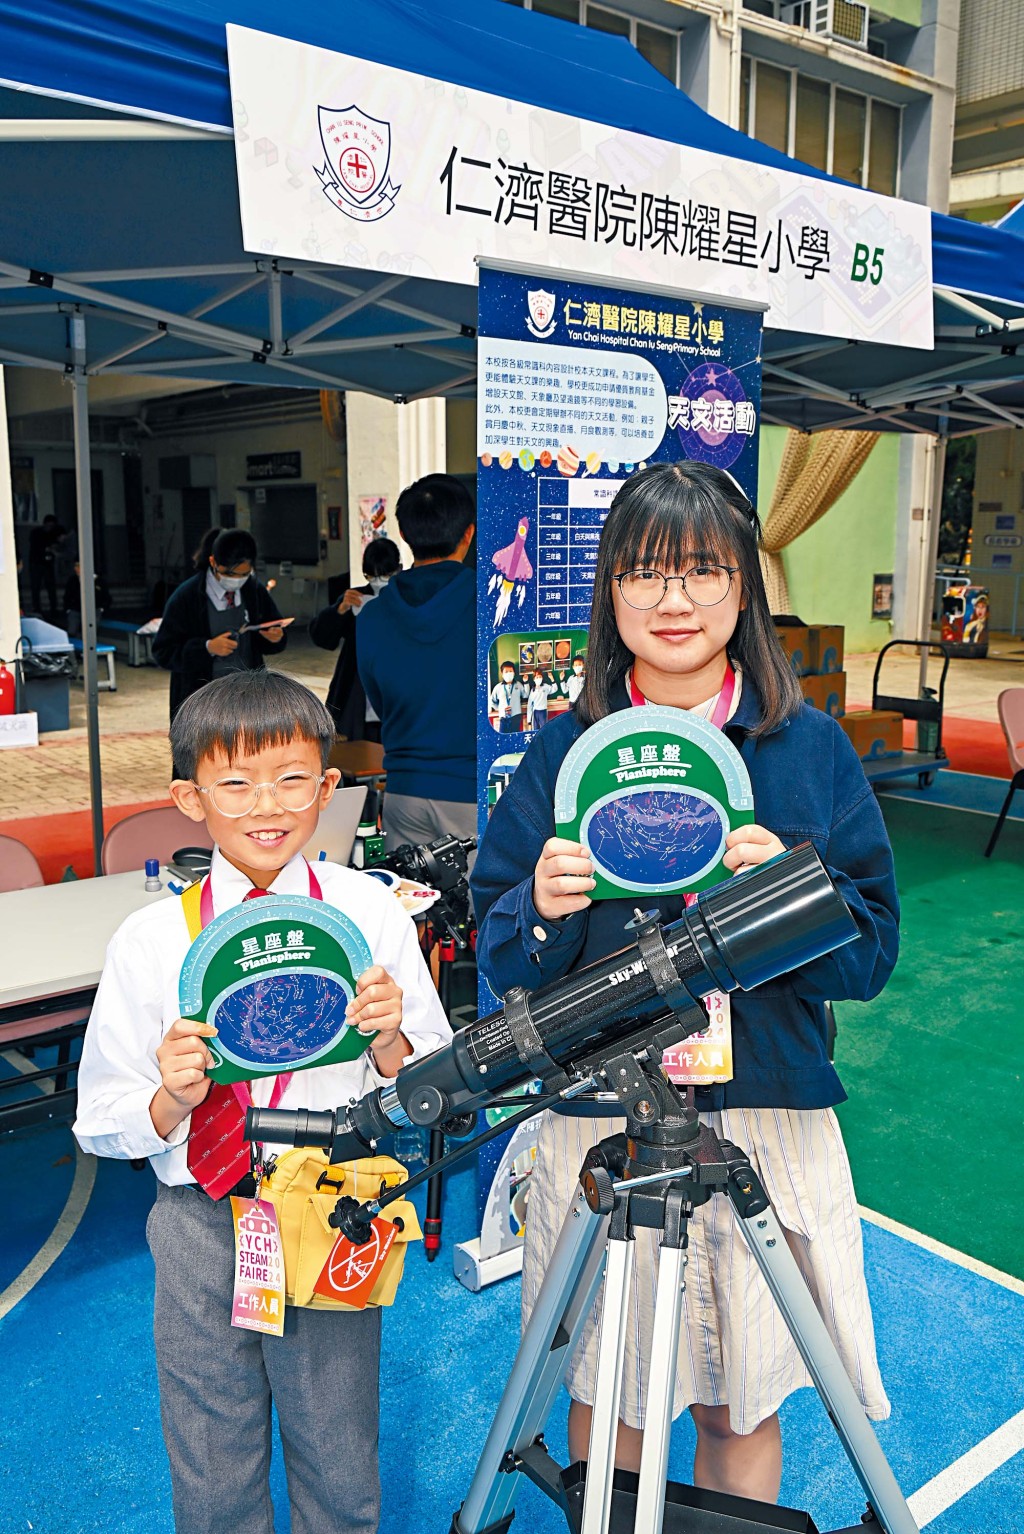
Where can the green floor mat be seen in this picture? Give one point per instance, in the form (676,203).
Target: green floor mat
(935,1065)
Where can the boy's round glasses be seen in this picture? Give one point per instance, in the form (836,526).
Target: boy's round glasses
(705,585)
(235,797)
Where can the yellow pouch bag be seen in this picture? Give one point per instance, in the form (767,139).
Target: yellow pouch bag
(304,1188)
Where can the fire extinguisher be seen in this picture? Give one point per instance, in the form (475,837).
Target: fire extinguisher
(7,689)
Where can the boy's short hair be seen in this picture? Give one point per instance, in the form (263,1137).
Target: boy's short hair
(381,557)
(251,710)
(433,515)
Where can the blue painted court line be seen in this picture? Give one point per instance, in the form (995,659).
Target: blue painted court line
(959,791)
(78,1404)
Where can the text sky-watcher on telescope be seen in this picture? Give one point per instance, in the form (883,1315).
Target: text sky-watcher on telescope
(754,928)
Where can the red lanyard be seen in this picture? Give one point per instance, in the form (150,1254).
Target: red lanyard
(242,1089)
(719,716)
(722,707)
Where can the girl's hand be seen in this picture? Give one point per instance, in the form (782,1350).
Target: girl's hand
(563,875)
(376,1007)
(750,845)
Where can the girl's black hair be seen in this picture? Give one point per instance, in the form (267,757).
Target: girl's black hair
(229,546)
(381,557)
(247,710)
(668,517)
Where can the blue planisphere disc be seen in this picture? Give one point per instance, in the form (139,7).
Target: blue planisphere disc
(278,1020)
(656,837)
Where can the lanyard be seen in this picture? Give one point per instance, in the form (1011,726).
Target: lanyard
(720,713)
(241,1089)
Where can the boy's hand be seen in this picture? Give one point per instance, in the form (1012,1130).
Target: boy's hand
(183,1059)
(562,879)
(377,1009)
(274,635)
(351,600)
(750,845)
(377,1006)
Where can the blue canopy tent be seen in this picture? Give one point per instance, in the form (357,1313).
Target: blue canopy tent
(121,247)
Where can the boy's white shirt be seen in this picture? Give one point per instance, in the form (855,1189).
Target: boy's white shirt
(137,1001)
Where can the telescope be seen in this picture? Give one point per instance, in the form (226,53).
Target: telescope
(758,925)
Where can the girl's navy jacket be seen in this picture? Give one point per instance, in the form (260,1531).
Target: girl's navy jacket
(808,785)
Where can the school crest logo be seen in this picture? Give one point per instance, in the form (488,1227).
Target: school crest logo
(358,156)
(541,320)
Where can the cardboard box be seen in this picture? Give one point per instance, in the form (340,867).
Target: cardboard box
(826,692)
(874,732)
(826,647)
(796,642)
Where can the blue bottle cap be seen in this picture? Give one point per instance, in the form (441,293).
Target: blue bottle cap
(152,868)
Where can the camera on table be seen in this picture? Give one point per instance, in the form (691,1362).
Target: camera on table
(443,864)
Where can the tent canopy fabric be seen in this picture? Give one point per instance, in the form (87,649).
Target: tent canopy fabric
(139,230)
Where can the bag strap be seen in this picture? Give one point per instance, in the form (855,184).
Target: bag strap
(190,899)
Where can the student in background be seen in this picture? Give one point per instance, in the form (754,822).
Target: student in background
(334,628)
(506,701)
(200,633)
(541,689)
(417,662)
(73,600)
(572,685)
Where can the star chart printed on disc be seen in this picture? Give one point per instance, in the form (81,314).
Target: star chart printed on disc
(652,794)
(274,977)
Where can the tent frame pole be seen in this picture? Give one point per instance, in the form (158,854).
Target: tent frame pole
(87,576)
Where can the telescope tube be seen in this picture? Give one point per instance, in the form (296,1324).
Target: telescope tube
(755,927)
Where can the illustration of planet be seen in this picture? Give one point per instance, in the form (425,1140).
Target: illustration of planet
(613,465)
(545,459)
(485,459)
(568,461)
(526,460)
(506,459)
(593,462)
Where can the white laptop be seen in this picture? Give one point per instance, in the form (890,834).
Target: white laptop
(336,833)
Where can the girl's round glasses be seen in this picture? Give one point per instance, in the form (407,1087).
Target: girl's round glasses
(705,585)
(235,797)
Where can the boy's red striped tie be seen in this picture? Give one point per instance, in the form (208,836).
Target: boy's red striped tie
(218,1157)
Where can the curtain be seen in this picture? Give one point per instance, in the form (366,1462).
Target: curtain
(814,472)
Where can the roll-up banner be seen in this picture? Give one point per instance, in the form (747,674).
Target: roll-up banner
(579,386)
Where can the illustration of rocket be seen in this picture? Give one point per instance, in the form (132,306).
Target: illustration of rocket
(513,571)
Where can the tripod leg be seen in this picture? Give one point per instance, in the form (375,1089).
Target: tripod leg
(668,1306)
(604,1424)
(566,1296)
(764,1236)
(432,1222)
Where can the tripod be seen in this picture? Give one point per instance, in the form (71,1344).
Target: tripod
(653,1176)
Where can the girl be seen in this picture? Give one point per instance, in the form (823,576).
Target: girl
(537,701)
(680,618)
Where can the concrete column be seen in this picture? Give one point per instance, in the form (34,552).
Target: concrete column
(10,622)
(389,446)
(922,460)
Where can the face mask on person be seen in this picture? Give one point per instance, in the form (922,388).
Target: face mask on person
(231,582)
(377,583)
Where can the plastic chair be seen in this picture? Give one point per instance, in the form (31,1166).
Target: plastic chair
(18,867)
(150,834)
(1011,717)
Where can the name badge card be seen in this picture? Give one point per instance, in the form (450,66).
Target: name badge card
(652,793)
(258,1304)
(274,976)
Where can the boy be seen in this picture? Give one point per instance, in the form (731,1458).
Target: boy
(507,701)
(251,750)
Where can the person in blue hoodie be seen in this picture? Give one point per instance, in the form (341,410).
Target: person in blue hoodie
(680,619)
(417,664)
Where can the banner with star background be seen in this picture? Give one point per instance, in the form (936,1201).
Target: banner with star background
(578,387)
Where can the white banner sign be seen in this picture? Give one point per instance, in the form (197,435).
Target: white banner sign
(360,165)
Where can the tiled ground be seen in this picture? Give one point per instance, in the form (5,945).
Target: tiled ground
(54,777)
